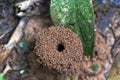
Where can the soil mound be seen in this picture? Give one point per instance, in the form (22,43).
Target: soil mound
(59,49)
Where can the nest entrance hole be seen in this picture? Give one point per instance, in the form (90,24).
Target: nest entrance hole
(60,47)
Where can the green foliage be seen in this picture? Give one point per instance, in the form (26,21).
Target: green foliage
(24,45)
(74,78)
(78,15)
(95,67)
(3,78)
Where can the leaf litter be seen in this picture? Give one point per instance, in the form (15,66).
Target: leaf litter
(15,64)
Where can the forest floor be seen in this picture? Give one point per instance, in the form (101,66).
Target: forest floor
(24,66)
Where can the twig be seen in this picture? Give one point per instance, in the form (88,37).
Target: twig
(18,33)
(15,38)
(7,68)
(116,43)
(106,21)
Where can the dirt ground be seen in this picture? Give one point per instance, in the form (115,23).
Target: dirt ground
(107,26)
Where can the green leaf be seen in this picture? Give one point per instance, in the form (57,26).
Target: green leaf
(95,67)
(77,15)
(74,78)
(3,78)
(22,43)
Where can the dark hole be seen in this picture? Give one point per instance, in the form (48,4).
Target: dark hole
(60,47)
(96,53)
(17,10)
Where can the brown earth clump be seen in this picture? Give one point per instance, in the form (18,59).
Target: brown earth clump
(59,49)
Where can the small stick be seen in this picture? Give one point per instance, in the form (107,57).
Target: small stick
(7,68)
(3,55)
(25,4)
(18,34)
(15,38)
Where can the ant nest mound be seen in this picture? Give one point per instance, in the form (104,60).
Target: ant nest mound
(59,49)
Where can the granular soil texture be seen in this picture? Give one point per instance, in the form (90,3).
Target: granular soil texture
(59,49)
